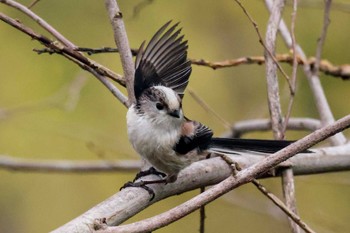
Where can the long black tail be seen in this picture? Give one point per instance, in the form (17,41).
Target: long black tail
(232,145)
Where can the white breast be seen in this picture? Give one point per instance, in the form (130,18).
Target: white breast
(155,140)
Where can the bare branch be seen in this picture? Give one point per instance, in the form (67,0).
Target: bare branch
(289,196)
(341,71)
(125,204)
(93,67)
(270,53)
(40,21)
(31,165)
(121,40)
(322,38)
(243,127)
(246,175)
(295,67)
(271,70)
(322,105)
(283,207)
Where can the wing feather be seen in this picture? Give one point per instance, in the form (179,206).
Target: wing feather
(163,62)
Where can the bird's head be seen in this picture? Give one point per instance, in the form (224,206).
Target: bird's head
(161,105)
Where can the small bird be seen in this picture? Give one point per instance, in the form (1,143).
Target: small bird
(157,127)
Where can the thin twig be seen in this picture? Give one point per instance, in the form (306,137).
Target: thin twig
(40,21)
(322,38)
(289,212)
(263,44)
(295,67)
(341,71)
(202,215)
(206,107)
(93,67)
(33,4)
(289,197)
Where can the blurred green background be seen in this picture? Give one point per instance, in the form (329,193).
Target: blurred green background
(95,128)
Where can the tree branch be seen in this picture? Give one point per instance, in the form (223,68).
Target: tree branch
(121,40)
(31,165)
(322,105)
(246,126)
(40,21)
(99,71)
(245,176)
(130,201)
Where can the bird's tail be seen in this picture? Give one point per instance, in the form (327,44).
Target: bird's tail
(234,145)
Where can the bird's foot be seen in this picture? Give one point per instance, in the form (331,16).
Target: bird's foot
(150,171)
(143,183)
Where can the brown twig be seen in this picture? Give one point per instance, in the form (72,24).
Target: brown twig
(31,5)
(341,71)
(261,41)
(322,38)
(93,67)
(40,21)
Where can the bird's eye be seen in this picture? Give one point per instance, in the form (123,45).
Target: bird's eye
(159,106)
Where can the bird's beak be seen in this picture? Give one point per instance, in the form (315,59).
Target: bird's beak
(175,113)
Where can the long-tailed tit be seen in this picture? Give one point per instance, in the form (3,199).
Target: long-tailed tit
(157,127)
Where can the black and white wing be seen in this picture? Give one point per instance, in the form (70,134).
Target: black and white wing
(163,62)
(199,139)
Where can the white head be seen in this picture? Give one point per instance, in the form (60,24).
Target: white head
(161,105)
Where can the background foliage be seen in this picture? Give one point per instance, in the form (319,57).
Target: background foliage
(95,129)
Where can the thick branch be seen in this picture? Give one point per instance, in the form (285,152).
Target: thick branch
(130,201)
(245,176)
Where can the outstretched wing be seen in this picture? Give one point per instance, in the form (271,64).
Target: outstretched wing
(163,62)
(200,139)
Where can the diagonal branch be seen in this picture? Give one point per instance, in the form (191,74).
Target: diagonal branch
(245,176)
(40,21)
(99,71)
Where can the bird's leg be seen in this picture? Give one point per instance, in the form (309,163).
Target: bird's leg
(150,171)
(143,183)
